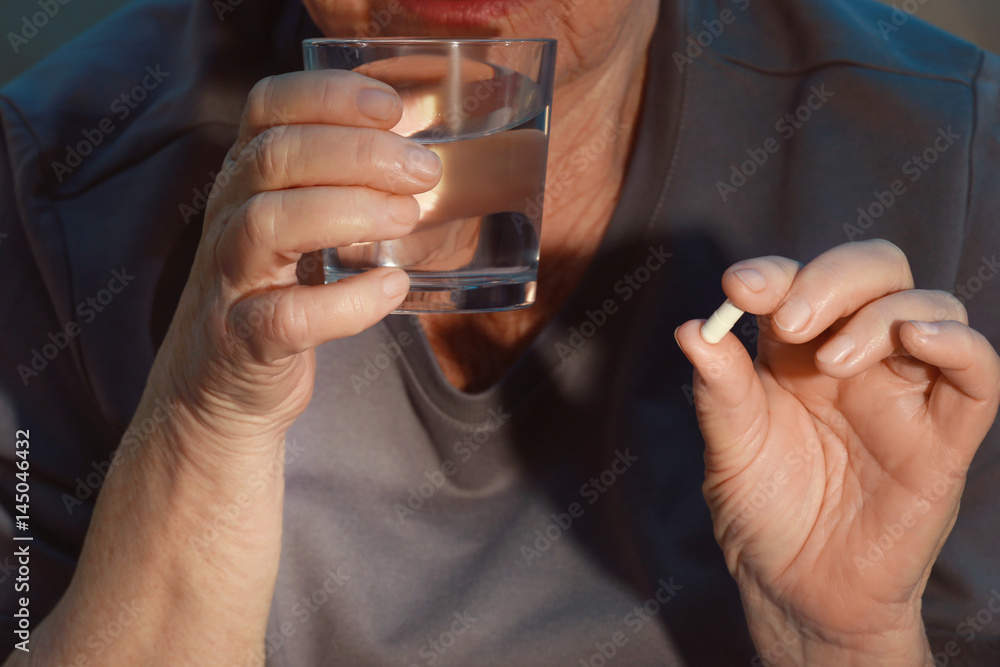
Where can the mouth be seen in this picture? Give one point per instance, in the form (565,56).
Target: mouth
(462,13)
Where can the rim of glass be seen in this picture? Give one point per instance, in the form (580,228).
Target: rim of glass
(356,41)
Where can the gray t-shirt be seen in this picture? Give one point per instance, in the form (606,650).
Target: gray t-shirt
(556,518)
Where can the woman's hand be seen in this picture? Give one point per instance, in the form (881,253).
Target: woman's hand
(187,527)
(835,462)
(314,167)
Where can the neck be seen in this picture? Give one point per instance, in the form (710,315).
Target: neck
(596,119)
(595,115)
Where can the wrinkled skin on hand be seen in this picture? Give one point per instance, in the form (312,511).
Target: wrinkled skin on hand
(835,461)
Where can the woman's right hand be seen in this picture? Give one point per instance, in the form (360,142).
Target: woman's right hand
(187,527)
(315,166)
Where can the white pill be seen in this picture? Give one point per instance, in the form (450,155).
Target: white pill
(721,321)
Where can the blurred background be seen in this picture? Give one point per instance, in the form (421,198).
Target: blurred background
(975,20)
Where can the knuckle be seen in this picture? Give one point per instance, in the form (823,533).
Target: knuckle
(951,307)
(286,322)
(245,323)
(881,318)
(366,148)
(258,101)
(331,92)
(356,217)
(260,219)
(829,278)
(890,249)
(895,257)
(789,268)
(773,266)
(217,236)
(270,150)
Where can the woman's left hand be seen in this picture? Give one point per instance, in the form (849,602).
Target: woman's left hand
(836,460)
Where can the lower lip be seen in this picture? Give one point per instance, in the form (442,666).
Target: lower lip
(467,13)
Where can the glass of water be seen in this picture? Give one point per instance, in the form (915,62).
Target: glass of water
(483,106)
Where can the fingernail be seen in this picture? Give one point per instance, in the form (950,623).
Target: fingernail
(377,104)
(402,210)
(926,328)
(395,284)
(836,350)
(421,162)
(752,278)
(676,340)
(793,316)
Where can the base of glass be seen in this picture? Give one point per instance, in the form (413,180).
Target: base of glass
(445,293)
(476,299)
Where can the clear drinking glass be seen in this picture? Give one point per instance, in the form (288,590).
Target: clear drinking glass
(483,106)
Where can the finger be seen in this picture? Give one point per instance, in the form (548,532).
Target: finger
(331,97)
(872,334)
(805,303)
(729,396)
(965,397)
(298,156)
(283,322)
(273,229)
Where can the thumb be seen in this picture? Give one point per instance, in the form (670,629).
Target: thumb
(729,398)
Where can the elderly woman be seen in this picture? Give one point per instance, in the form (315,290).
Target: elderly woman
(301,480)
